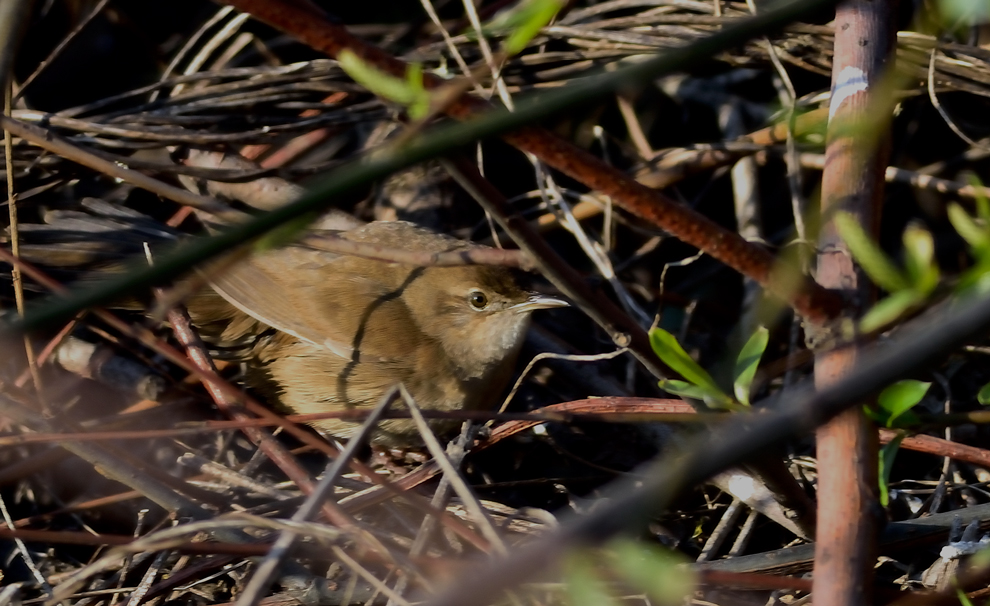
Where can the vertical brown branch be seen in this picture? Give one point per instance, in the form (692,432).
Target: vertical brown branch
(853,182)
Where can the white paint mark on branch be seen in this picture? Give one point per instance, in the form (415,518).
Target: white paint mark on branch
(851,80)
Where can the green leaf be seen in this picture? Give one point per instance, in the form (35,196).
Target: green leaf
(409,92)
(664,576)
(980,560)
(983,396)
(527,21)
(965,12)
(901,397)
(961,596)
(747,363)
(714,398)
(812,129)
(982,202)
(874,262)
(919,258)
(975,235)
(874,415)
(419,108)
(667,348)
(888,310)
(886,461)
(683,388)
(975,281)
(583,584)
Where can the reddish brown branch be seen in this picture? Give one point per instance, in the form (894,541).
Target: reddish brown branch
(609,405)
(853,181)
(940,447)
(85,538)
(600,410)
(751,580)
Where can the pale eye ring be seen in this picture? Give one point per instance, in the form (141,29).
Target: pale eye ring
(478,300)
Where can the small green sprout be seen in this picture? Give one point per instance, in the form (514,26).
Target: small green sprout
(409,92)
(591,575)
(520,24)
(526,21)
(886,462)
(660,573)
(908,288)
(582,582)
(747,363)
(983,396)
(895,402)
(698,384)
(975,230)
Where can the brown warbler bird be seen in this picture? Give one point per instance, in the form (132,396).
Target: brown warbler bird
(329,332)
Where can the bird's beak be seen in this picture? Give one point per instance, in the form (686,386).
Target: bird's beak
(536,301)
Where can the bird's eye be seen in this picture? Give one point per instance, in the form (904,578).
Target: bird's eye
(477,299)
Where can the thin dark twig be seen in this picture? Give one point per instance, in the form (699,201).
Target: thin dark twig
(47,140)
(14,17)
(96,10)
(468,498)
(280,549)
(191,43)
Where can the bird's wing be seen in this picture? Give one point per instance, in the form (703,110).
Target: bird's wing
(261,287)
